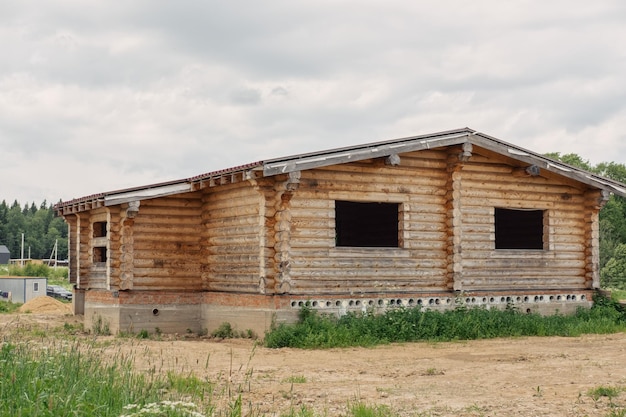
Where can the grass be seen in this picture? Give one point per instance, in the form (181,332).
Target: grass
(611,393)
(314,331)
(296,379)
(53,374)
(9,307)
(618,295)
(72,379)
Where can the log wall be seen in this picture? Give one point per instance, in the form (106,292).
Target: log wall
(420,264)
(276,235)
(487,183)
(236,250)
(167,242)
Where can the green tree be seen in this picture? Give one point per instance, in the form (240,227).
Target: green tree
(572,159)
(40,227)
(613,275)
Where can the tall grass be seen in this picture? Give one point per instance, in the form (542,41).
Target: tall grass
(73,379)
(414,324)
(46,376)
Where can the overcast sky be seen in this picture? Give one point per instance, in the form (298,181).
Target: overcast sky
(102,95)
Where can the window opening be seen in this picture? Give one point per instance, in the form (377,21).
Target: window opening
(35,287)
(519,229)
(99,229)
(99,254)
(359,224)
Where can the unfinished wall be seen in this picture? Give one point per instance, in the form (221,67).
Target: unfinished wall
(487,182)
(167,244)
(234,241)
(417,185)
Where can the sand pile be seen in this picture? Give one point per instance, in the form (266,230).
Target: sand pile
(47,305)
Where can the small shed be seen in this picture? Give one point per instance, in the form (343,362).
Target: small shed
(22,289)
(427,221)
(5,255)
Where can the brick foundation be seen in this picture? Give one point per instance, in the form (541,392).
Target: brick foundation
(180,312)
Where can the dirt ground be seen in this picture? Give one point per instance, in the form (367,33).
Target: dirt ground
(503,377)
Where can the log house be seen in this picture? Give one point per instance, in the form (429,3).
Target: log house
(426,221)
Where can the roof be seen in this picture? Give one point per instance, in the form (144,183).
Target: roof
(4,249)
(328,157)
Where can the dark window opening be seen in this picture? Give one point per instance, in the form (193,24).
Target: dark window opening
(366,224)
(99,229)
(519,229)
(99,254)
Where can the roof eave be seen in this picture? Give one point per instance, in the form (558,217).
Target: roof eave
(549,164)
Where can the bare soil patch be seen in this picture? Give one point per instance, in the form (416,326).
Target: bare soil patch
(502,377)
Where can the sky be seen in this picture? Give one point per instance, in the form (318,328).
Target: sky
(98,96)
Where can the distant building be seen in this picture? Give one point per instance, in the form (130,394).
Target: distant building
(5,255)
(22,289)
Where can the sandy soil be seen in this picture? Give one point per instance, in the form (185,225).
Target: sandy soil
(502,377)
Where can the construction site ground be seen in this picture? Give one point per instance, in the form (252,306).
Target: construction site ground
(538,376)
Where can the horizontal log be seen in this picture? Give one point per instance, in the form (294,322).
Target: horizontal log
(365,274)
(478,178)
(169,219)
(171,229)
(233,278)
(308,233)
(306,200)
(312,223)
(233,222)
(523,202)
(337,264)
(511,194)
(234,240)
(509,274)
(512,256)
(312,243)
(487,265)
(170,241)
(421,164)
(336,179)
(233,212)
(523,284)
(221,230)
(243,190)
(230,269)
(229,204)
(431,236)
(239,250)
(235,288)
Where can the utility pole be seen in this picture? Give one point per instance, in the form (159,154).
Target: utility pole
(55,254)
(22,254)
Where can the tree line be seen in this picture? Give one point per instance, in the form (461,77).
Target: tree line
(39,225)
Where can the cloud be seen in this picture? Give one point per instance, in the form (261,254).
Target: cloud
(103,95)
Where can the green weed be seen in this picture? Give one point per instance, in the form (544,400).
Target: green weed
(100,327)
(360,409)
(225,331)
(462,323)
(9,307)
(296,379)
(604,391)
